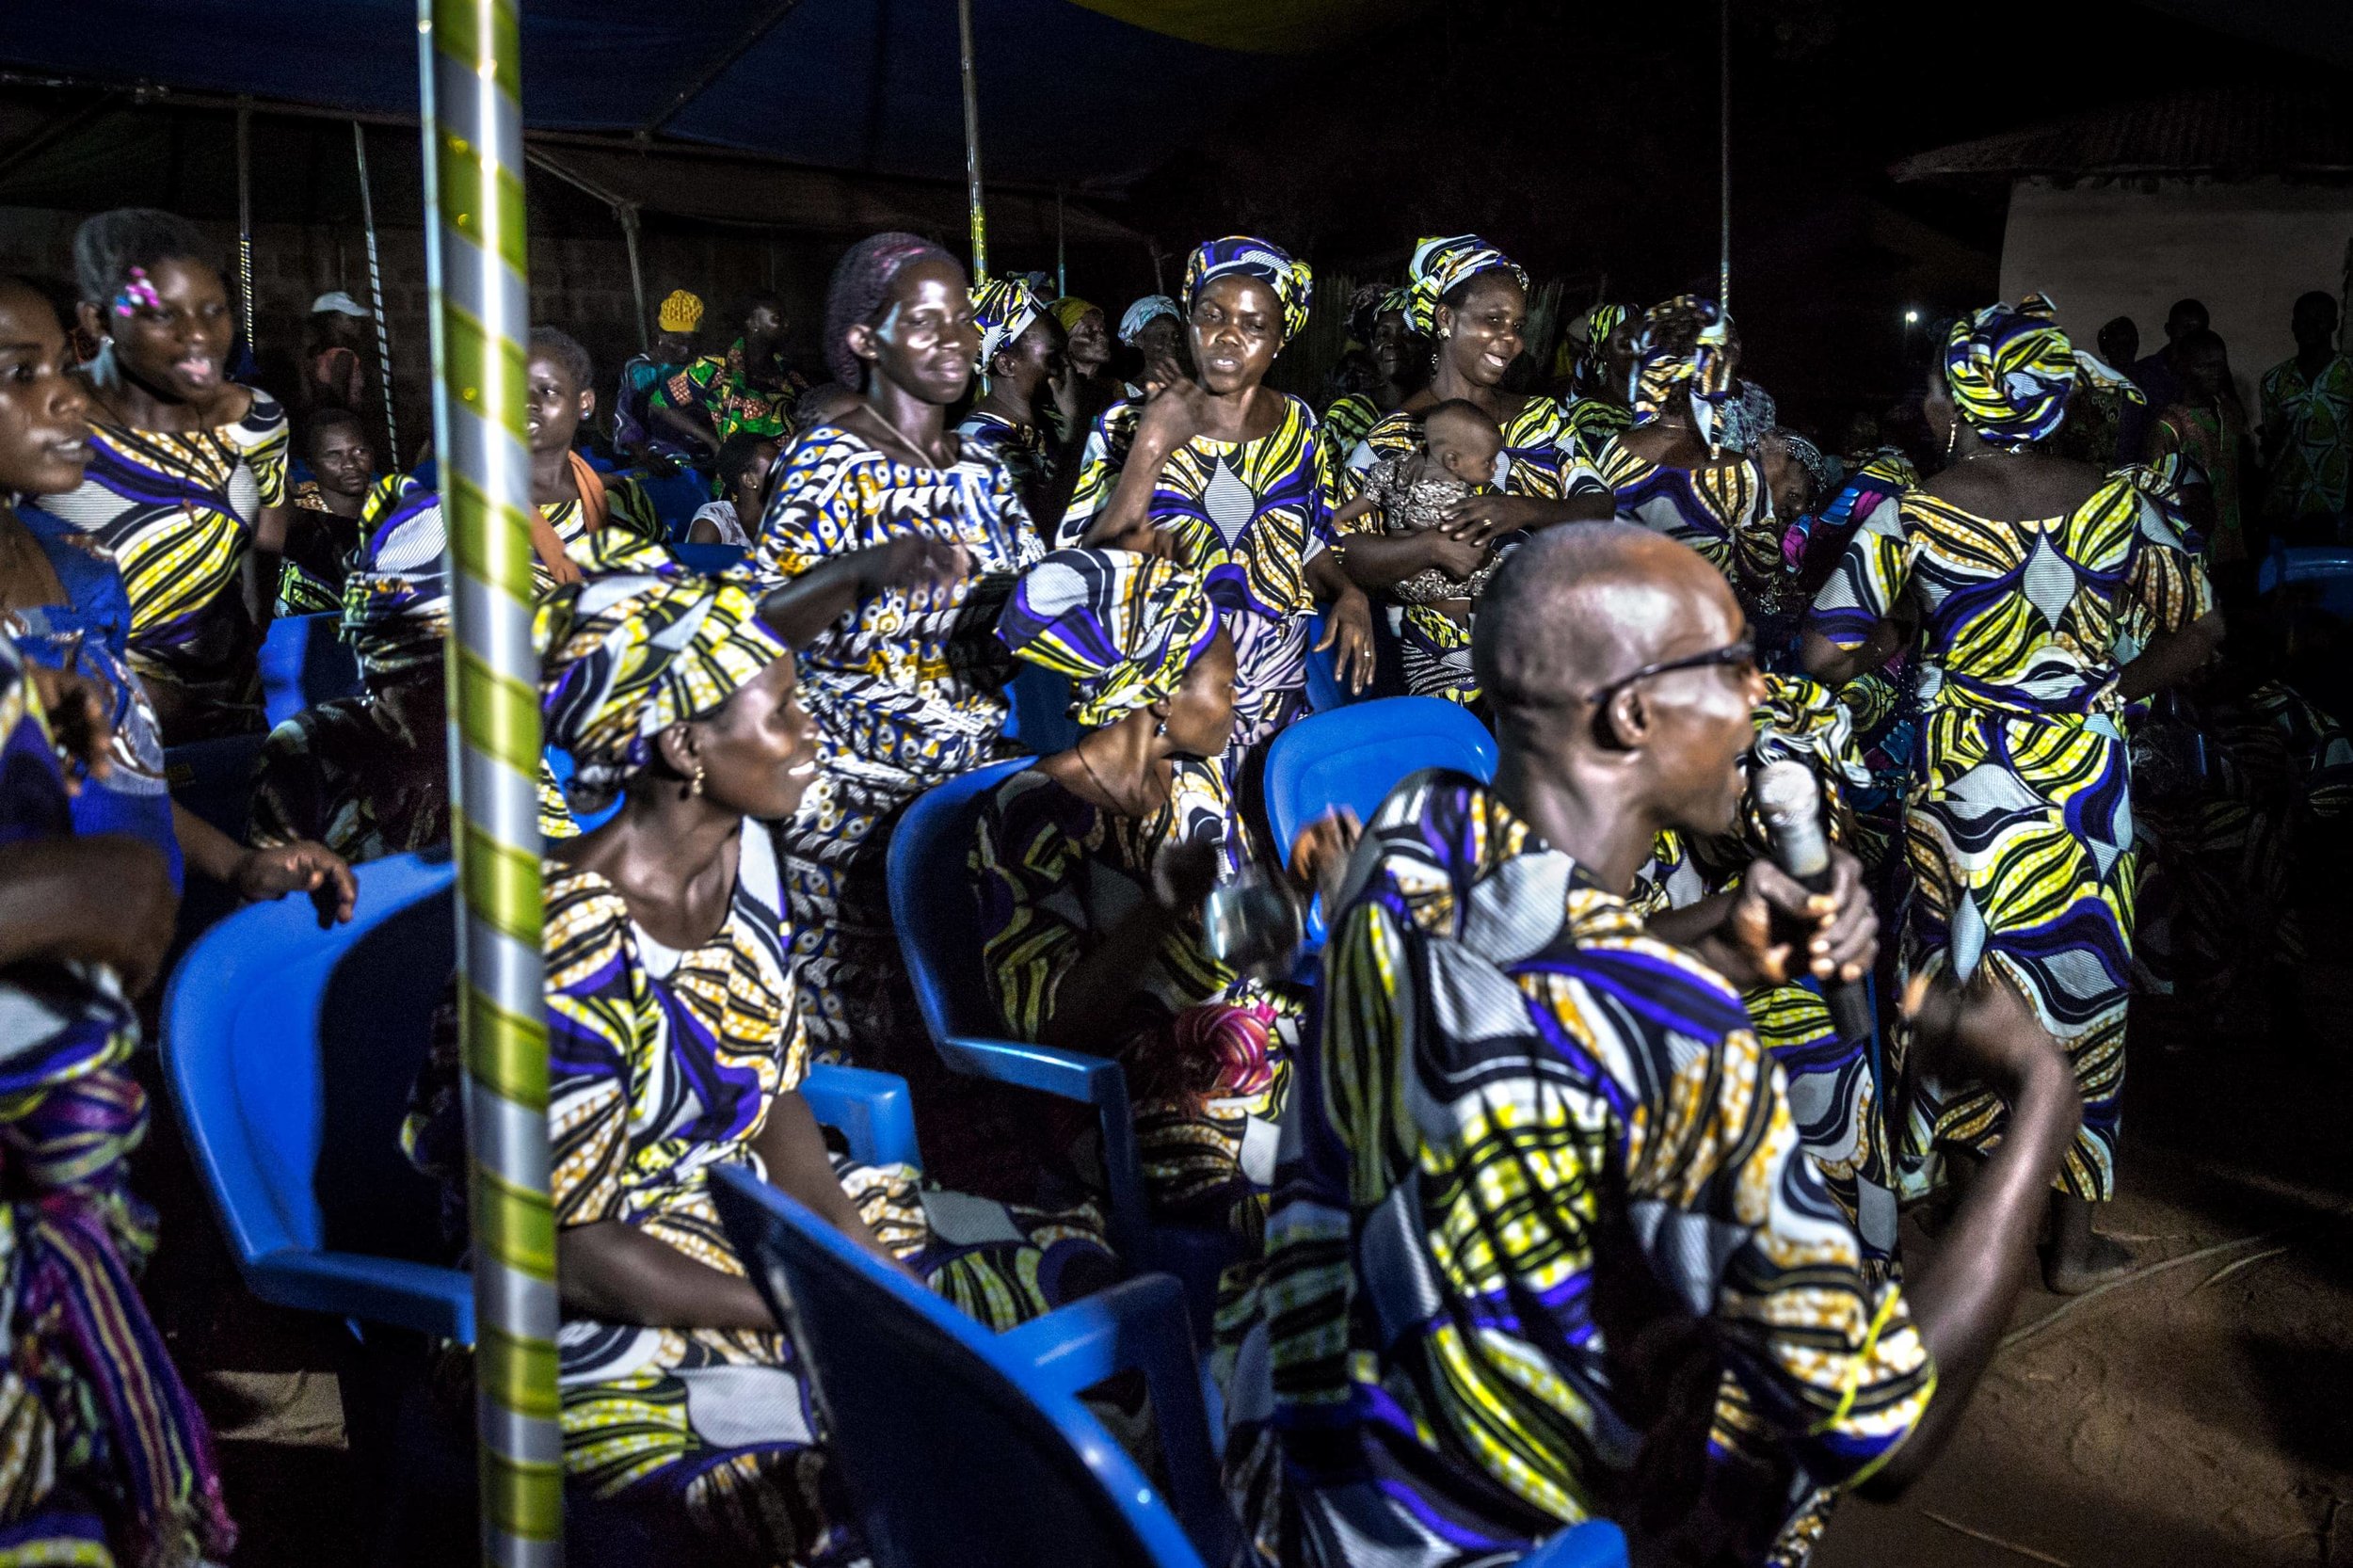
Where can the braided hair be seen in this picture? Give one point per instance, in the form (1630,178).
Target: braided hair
(860,289)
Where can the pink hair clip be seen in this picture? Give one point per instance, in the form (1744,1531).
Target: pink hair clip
(136,292)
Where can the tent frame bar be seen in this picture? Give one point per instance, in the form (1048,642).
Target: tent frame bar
(718,67)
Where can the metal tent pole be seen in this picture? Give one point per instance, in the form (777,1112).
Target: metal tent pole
(627,213)
(1724,172)
(375,293)
(475,262)
(1061,265)
(245,222)
(972,147)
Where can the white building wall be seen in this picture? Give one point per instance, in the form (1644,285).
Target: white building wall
(2248,249)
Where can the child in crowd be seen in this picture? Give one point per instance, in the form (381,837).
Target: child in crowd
(745,460)
(1414,491)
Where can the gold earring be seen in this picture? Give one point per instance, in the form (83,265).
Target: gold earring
(694,785)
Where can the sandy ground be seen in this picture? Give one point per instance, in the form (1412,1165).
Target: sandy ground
(2200,1415)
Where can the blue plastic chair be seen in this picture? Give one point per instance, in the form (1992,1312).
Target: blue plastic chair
(959,1446)
(2329,568)
(305,662)
(213,779)
(711,558)
(289,1052)
(937,916)
(1041,718)
(1355,756)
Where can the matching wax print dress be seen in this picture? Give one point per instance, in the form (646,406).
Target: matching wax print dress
(1543,1246)
(1548,449)
(1249,516)
(2019,826)
(104,1451)
(664,1066)
(1022,449)
(901,699)
(177,510)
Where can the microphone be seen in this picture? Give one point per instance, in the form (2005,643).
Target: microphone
(1790,802)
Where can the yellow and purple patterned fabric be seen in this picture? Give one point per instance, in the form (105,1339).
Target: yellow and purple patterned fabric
(1125,626)
(1002,308)
(2311,419)
(1245,516)
(2010,371)
(1244,255)
(1685,347)
(1536,1157)
(1444,263)
(177,510)
(2018,822)
(638,648)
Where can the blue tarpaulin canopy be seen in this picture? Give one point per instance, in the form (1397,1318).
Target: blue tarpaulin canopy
(1089,95)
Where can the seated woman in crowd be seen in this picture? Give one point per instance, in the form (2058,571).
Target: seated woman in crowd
(1219,475)
(62,601)
(742,470)
(1093,866)
(1472,301)
(1674,473)
(907,693)
(186,483)
(105,1444)
(1022,355)
(323,533)
(676,1045)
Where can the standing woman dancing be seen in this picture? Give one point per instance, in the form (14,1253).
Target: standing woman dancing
(187,473)
(1219,475)
(904,694)
(2024,568)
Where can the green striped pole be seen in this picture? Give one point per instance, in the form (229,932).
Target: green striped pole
(473,161)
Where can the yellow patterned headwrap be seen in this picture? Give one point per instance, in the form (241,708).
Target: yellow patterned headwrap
(1685,343)
(681,312)
(1124,625)
(1070,309)
(1444,263)
(1244,255)
(2010,371)
(641,647)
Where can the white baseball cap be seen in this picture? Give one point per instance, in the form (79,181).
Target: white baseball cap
(339,302)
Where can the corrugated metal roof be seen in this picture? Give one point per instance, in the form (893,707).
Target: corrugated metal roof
(2233,132)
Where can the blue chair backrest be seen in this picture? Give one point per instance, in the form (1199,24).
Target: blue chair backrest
(950,1460)
(708,557)
(1354,757)
(560,769)
(290,1051)
(1041,718)
(305,662)
(933,905)
(2325,569)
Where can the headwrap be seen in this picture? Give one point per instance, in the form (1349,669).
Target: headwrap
(1003,307)
(1600,322)
(1370,303)
(396,600)
(1239,255)
(1821,469)
(1443,264)
(1145,311)
(681,312)
(2010,371)
(860,287)
(1685,342)
(641,647)
(1070,309)
(1124,625)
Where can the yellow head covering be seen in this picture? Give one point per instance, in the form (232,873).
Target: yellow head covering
(680,312)
(1070,309)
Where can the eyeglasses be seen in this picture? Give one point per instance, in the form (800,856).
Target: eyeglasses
(1741,653)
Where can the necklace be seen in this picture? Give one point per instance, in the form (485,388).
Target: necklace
(923,458)
(1989,450)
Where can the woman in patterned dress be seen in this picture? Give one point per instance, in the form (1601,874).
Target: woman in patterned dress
(1022,356)
(1380,345)
(1673,471)
(906,694)
(674,1049)
(1219,475)
(1472,300)
(186,482)
(1093,866)
(2023,570)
